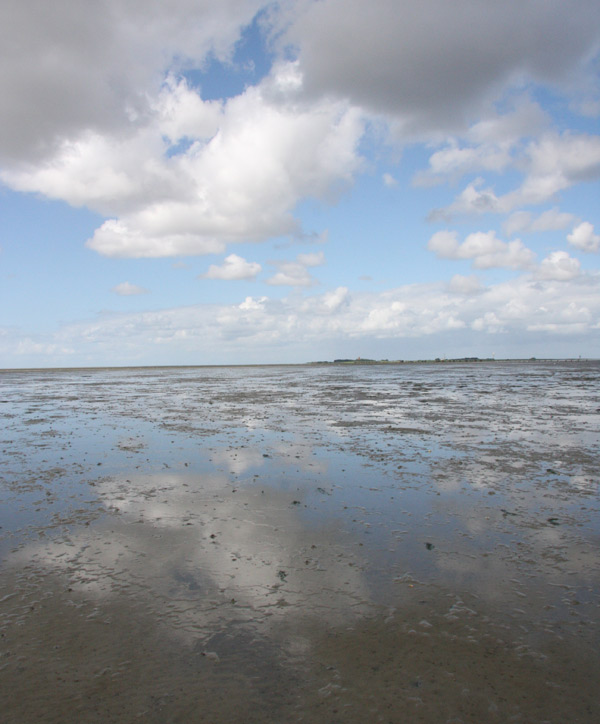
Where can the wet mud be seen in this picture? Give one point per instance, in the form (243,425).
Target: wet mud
(412,543)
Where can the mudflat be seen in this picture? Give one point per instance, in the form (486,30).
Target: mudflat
(398,543)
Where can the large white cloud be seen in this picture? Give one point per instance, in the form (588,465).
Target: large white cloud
(239,177)
(67,67)
(96,113)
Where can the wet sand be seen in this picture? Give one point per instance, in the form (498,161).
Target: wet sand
(301,544)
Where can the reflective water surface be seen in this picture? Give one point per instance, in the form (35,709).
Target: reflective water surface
(384,543)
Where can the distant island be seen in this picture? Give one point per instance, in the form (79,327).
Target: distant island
(437,360)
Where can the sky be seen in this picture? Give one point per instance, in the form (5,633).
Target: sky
(245,182)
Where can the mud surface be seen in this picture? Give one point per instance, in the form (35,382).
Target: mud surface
(301,544)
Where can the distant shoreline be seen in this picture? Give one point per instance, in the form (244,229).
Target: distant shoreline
(452,360)
(358,362)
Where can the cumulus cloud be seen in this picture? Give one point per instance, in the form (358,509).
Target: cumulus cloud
(559,266)
(489,323)
(556,162)
(250,161)
(473,199)
(491,144)
(252,303)
(551,164)
(583,237)
(125,289)
(455,161)
(295,273)
(431,63)
(100,116)
(97,65)
(506,130)
(483,248)
(336,298)
(233,267)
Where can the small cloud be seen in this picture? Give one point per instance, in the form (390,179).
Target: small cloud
(233,267)
(250,303)
(315,259)
(483,248)
(473,199)
(129,290)
(335,299)
(295,273)
(389,180)
(444,244)
(583,238)
(559,266)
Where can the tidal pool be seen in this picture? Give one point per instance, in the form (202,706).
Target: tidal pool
(399,543)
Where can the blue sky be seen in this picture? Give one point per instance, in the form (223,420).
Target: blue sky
(242,182)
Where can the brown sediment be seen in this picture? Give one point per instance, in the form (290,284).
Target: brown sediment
(71,658)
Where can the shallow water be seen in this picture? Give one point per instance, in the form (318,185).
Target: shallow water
(389,543)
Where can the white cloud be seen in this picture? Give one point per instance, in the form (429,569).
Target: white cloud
(251,303)
(559,266)
(312,259)
(484,248)
(99,115)
(551,164)
(490,145)
(583,237)
(455,161)
(295,273)
(460,284)
(239,178)
(556,162)
(489,323)
(473,199)
(506,130)
(233,267)
(524,221)
(444,244)
(336,298)
(125,289)
(291,329)
(96,113)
